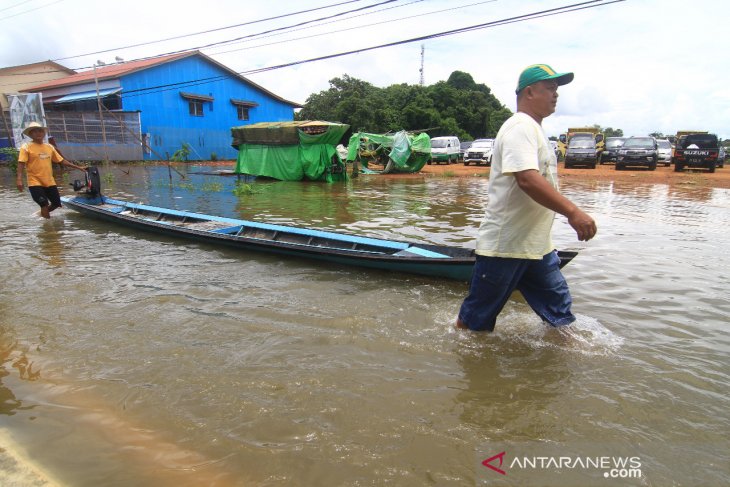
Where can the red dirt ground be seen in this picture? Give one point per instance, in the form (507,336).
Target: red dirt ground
(662,175)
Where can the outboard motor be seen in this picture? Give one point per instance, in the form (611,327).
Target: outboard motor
(91,185)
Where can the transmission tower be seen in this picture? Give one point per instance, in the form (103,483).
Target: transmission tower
(423,49)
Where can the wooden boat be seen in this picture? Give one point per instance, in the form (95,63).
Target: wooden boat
(340,248)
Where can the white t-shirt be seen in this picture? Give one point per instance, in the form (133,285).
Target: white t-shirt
(515,225)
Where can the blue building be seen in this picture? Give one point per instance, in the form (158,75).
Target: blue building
(151,108)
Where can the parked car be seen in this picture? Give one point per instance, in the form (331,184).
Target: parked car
(581,151)
(697,150)
(463,146)
(721,156)
(664,152)
(613,144)
(638,151)
(445,149)
(480,152)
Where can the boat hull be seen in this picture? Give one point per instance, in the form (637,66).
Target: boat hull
(340,248)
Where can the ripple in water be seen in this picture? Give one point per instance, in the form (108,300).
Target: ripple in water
(519,324)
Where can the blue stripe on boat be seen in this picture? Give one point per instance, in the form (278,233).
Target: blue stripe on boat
(228,230)
(422,252)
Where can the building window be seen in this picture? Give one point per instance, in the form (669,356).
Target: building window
(243,107)
(195,103)
(242,112)
(196,108)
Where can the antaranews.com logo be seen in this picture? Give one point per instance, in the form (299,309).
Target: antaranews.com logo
(581,466)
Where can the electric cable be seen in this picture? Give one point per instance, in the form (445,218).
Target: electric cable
(211,30)
(250,35)
(365,26)
(520,18)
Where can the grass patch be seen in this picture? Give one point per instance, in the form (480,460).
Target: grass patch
(243,189)
(211,187)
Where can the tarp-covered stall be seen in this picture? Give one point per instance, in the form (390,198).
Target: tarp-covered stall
(401,152)
(290,151)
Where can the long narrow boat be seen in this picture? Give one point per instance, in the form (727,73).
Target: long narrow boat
(341,248)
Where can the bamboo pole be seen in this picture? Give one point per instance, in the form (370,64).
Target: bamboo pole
(101,117)
(141,141)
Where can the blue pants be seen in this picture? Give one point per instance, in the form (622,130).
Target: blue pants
(495,278)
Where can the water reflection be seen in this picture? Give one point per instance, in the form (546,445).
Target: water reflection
(9,354)
(51,247)
(512,388)
(690,192)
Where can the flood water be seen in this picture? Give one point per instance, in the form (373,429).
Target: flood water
(133,359)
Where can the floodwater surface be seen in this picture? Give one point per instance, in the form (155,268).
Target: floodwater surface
(130,358)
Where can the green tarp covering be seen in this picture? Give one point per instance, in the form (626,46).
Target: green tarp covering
(399,152)
(290,151)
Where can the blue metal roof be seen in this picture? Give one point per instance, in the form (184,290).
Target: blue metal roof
(87,95)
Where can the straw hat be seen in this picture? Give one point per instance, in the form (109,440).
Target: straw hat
(31,126)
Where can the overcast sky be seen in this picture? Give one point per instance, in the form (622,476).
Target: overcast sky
(640,65)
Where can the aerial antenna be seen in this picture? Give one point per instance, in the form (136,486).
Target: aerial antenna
(423,49)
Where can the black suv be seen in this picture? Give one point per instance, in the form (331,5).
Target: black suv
(613,144)
(697,151)
(638,151)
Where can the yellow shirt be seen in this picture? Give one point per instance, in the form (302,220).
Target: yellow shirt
(38,159)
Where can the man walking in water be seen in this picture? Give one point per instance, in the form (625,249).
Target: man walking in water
(514,244)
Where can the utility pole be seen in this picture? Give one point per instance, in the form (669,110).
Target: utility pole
(101,114)
(423,49)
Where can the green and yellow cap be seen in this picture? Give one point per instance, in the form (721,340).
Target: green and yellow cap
(538,72)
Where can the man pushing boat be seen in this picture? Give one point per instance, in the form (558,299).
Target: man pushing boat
(35,158)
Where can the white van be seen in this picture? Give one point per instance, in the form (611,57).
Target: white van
(444,149)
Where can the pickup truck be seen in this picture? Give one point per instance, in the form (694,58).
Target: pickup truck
(697,151)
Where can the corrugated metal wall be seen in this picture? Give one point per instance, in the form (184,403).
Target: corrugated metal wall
(165,112)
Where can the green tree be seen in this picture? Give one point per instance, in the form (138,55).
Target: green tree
(458,106)
(609,132)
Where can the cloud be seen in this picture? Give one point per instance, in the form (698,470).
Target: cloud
(640,65)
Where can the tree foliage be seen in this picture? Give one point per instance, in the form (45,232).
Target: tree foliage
(458,106)
(609,132)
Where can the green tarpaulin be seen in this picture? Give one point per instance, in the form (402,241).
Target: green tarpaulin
(399,152)
(290,151)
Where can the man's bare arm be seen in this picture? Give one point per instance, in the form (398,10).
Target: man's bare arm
(537,188)
(19,176)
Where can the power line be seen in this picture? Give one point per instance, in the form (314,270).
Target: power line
(496,23)
(520,18)
(262,33)
(13,6)
(212,30)
(31,10)
(364,26)
(233,41)
(237,25)
(222,42)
